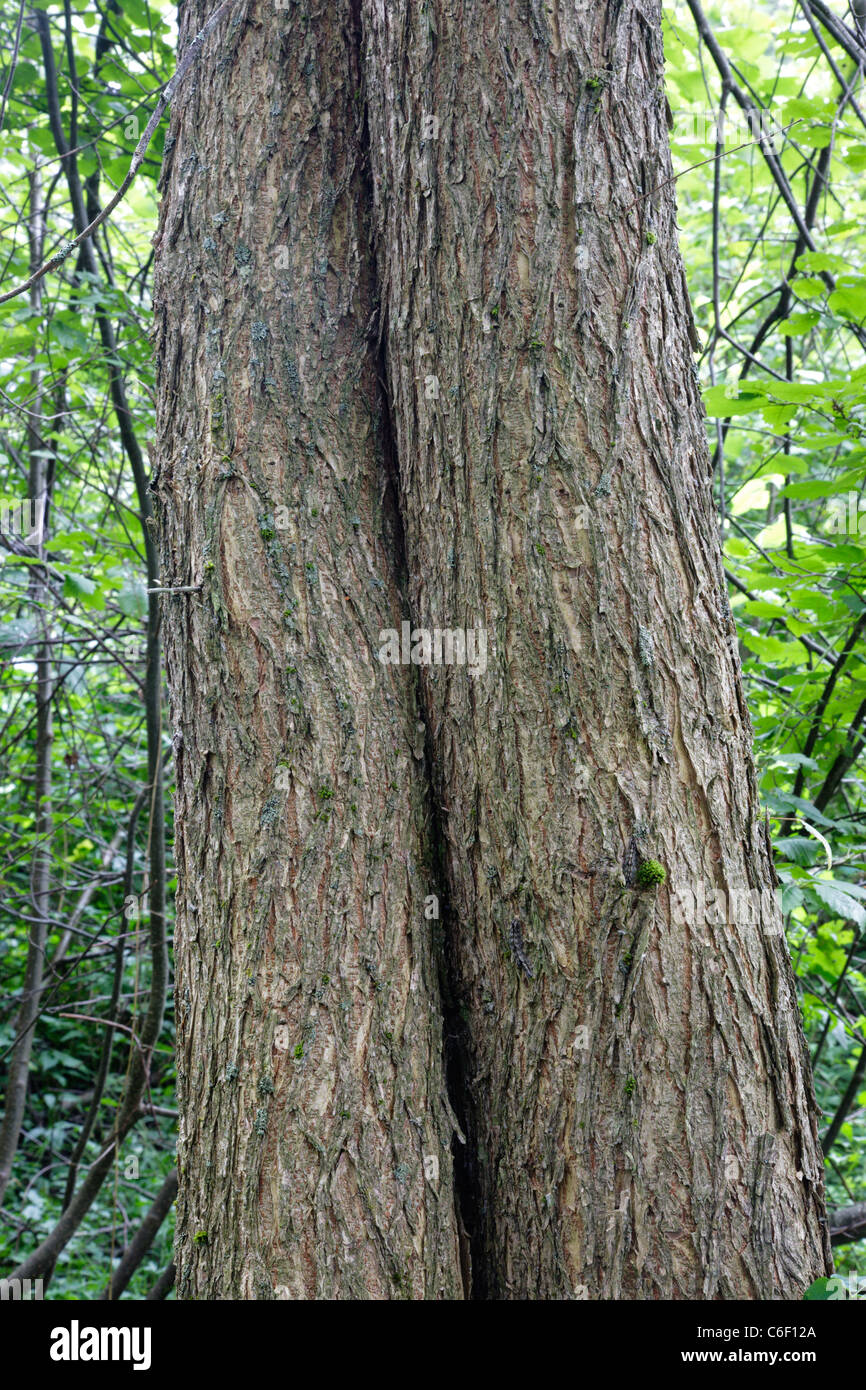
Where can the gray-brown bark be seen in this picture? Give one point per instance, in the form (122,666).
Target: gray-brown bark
(315,1137)
(676,1154)
(634,1085)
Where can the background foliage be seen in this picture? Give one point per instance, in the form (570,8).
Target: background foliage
(774,239)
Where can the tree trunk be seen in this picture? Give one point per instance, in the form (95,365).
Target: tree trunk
(315,1139)
(626,1058)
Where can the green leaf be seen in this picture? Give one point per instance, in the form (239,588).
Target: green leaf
(849,298)
(817,1291)
(798,849)
(798,324)
(743,400)
(808,286)
(821,260)
(790,897)
(78,586)
(827,488)
(785,803)
(759,608)
(132,599)
(795,760)
(774,649)
(840,903)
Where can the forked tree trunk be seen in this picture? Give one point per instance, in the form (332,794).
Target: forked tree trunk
(626,1063)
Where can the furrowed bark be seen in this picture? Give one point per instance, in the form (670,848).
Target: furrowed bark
(639,1088)
(315,1135)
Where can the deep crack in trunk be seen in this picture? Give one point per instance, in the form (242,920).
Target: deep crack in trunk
(457,1048)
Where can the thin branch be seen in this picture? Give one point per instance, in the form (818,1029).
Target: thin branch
(143,1238)
(163,1286)
(847,1224)
(845,1103)
(13,63)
